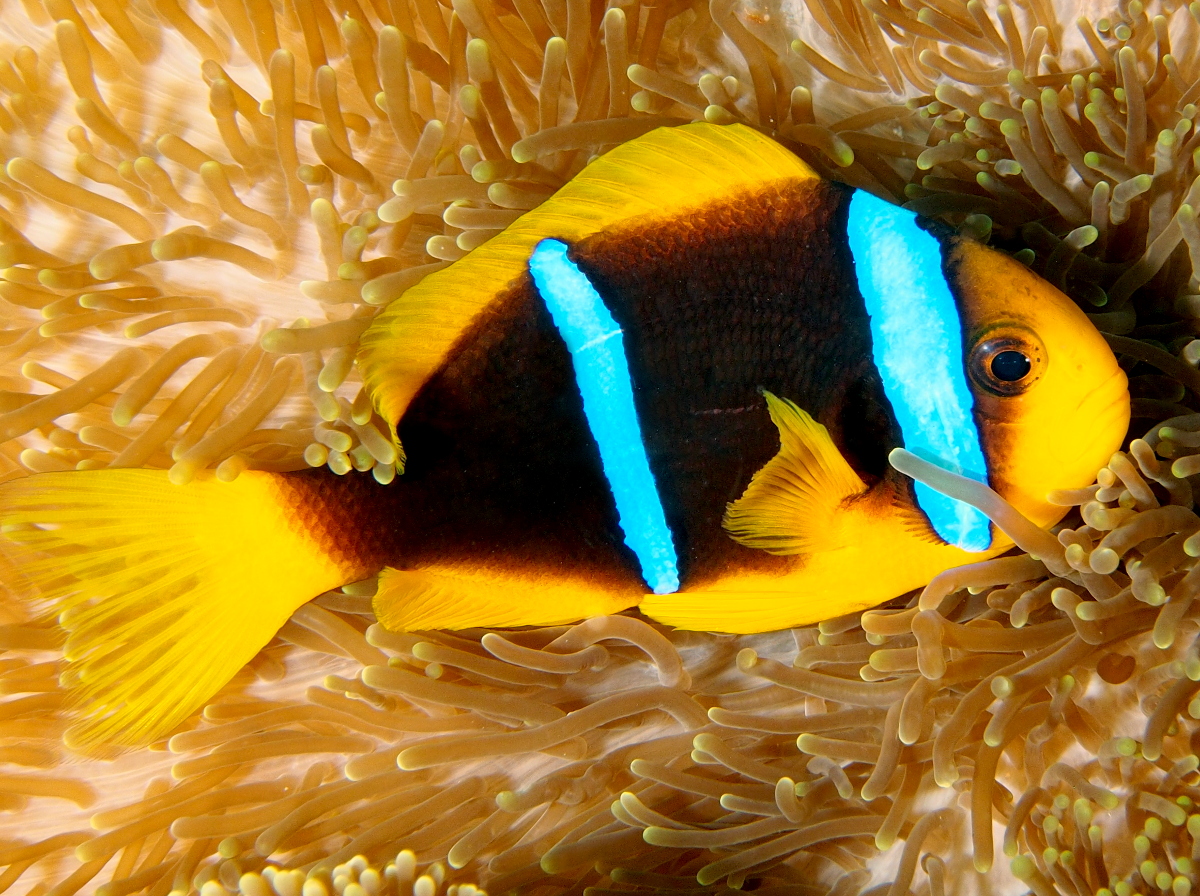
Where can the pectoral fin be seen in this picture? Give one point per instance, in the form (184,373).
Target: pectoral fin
(861,546)
(791,504)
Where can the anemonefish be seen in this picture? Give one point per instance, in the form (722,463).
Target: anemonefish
(672,386)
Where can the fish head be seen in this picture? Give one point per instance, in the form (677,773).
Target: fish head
(1051,403)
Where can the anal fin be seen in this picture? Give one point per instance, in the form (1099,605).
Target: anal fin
(791,505)
(457,598)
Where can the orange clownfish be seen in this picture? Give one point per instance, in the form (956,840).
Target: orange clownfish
(672,386)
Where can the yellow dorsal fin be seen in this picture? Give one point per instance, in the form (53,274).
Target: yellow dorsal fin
(457,598)
(666,172)
(791,504)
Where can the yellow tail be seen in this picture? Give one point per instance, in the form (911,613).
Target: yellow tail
(165,591)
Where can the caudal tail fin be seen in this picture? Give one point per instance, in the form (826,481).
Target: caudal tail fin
(164,591)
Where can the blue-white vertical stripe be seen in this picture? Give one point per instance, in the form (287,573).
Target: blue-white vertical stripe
(602,374)
(916,338)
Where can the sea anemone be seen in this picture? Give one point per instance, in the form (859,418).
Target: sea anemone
(204,205)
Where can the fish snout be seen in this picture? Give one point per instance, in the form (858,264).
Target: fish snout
(1059,445)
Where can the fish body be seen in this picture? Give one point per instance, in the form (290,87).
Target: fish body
(673,386)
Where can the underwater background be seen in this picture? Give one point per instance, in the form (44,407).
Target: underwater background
(205,203)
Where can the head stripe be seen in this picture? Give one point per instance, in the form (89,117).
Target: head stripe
(916,340)
(602,373)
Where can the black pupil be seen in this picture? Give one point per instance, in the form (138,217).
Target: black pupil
(1010,366)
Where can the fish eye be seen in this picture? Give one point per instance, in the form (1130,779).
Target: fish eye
(1010,365)
(1006,364)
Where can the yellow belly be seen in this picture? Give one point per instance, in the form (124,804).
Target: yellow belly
(877,555)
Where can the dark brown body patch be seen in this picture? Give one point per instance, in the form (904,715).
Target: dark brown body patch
(753,294)
(749,294)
